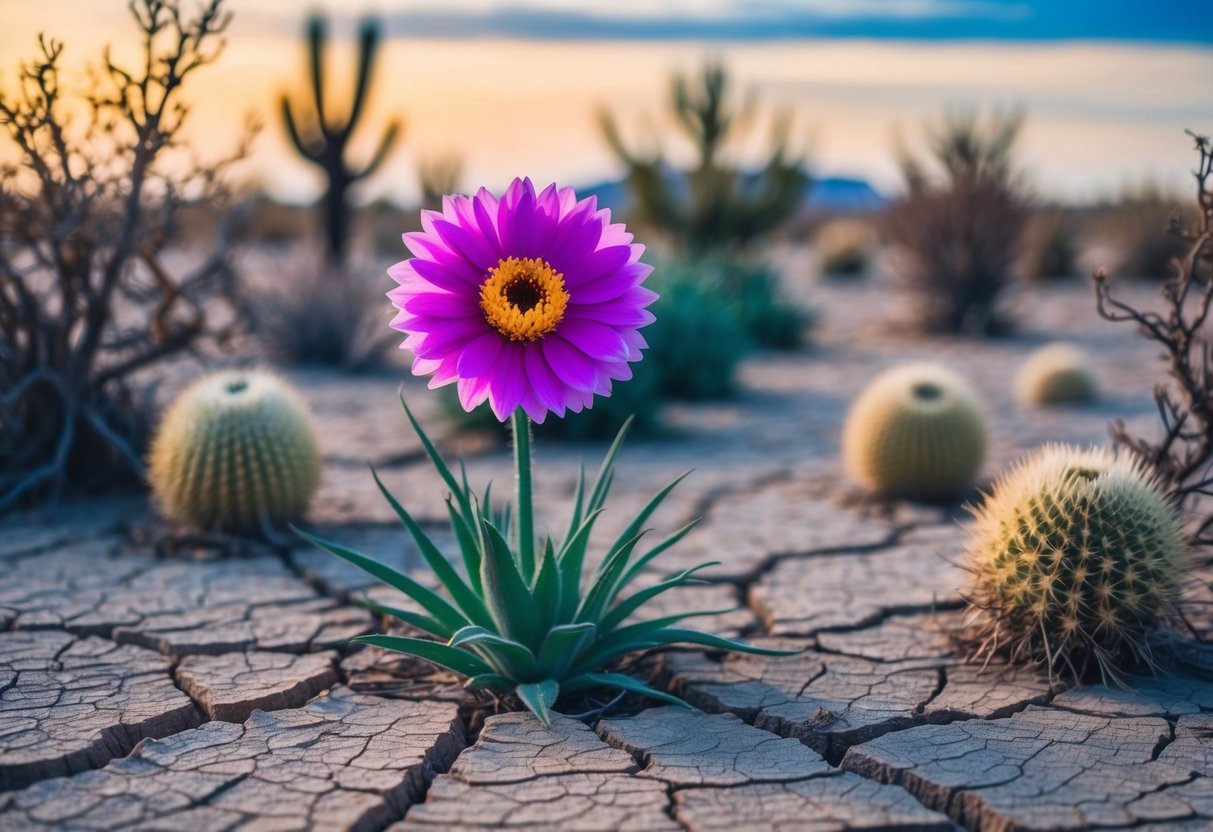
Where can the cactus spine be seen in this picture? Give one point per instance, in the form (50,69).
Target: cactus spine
(325,141)
(235,451)
(1055,374)
(916,431)
(1076,557)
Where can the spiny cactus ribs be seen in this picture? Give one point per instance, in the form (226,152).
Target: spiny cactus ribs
(235,451)
(1076,558)
(915,431)
(1056,374)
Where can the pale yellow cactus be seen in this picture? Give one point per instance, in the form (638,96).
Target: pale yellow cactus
(1056,374)
(236,451)
(1076,556)
(916,431)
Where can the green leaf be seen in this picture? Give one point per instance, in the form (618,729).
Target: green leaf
(439,463)
(642,635)
(602,591)
(621,681)
(648,557)
(420,622)
(578,506)
(460,593)
(539,698)
(509,598)
(452,658)
(433,603)
(620,612)
(469,545)
(602,482)
(491,681)
(561,646)
(518,657)
(546,590)
(682,636)
(651,506)
(572,563)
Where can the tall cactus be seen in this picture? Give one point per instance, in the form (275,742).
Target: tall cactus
(719,204)
(325,141)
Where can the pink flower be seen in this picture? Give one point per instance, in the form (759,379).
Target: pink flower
(531,300)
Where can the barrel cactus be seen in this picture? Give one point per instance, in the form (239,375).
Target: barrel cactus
(1076,558)
(1056,374)
(916,431)
(236,451)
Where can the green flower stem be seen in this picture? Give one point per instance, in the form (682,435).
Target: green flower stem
(526,514)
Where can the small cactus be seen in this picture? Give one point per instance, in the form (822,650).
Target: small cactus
(235,451)
(916,431)
(1055,374)
(1076,556)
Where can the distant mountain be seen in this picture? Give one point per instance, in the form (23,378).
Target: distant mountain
(829,194)
(840,194)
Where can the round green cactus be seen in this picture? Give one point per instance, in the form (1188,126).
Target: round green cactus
(235,451)
(1076,556)
(1056,374)
(916,431)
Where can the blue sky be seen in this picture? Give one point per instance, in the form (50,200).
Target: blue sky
(1161,21)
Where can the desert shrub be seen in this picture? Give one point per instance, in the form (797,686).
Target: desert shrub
(715,204)
(959,225)
(697,340)
(1183,456)
(695,346)
(317,318)
(845,248)
(1050,246)
(749,292)
(88,298)
(1139,230)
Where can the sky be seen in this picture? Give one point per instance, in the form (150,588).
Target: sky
(514,88)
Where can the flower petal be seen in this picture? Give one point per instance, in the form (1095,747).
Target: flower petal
(596,340)
(480,354)
(570,364)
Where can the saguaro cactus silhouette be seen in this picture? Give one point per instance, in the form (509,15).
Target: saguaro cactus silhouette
(715,204)
(323,140)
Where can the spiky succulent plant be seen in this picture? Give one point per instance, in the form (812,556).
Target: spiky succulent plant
(1055,374)
(533,626)
(1076,559)
(915,431)
(235,451)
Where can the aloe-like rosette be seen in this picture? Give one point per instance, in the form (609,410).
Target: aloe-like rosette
(1076,559)
(535,627)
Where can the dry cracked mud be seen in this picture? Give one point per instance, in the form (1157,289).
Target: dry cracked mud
(148,690)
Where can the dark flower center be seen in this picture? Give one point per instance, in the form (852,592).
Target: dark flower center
(523,298)
(524,293)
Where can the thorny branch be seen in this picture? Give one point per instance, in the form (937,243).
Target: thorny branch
(1183,457)
(86,216)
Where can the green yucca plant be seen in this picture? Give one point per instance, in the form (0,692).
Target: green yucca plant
(522,620)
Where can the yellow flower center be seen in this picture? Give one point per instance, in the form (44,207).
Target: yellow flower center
(523,299)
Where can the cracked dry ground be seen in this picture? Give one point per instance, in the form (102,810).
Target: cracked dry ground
(185,690)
